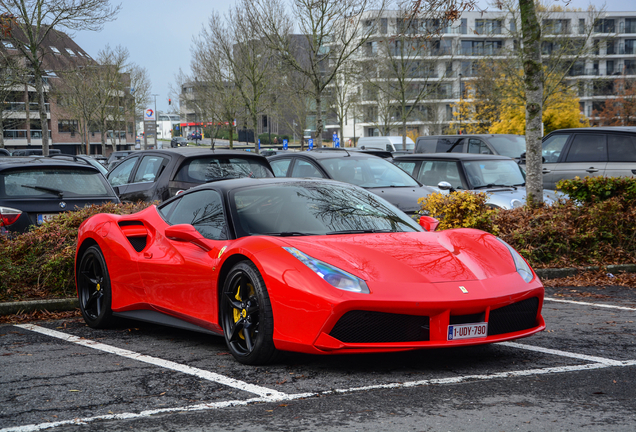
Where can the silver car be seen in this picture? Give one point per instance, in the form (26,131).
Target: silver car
(501,177)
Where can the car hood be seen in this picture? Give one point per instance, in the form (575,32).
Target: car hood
(451,255)
(404,198)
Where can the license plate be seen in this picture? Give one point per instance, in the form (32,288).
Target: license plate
(467,331)
(45,217)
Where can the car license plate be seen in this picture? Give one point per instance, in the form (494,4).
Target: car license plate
(467,331)
(45,217)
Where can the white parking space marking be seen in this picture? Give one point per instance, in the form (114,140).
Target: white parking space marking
(601,305)
(594,359)
(268,395)
(210,376)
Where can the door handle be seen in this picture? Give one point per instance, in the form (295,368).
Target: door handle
(545,171)
(147,255)
(592,170)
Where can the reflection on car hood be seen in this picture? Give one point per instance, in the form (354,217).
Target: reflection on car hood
(404,198)
(506,197)
(452,255)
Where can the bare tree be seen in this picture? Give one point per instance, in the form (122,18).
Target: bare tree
(251,65)
(140,87)
(32,21)
(331,31)
(220,96)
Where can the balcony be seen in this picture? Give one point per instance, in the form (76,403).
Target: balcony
(21,107)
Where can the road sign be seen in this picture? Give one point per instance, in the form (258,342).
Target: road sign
(284,144)
(259,143)
(310,144)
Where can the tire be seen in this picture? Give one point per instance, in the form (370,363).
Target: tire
(246,316)
(94,290)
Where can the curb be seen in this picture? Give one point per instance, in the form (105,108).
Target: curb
(67,304)
(56,305)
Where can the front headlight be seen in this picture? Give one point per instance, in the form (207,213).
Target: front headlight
(522,266)
(333,275)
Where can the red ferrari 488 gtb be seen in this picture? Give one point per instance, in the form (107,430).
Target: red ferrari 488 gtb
(313,266)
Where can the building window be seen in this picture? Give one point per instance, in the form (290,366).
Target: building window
(71,52)
(464,26)
(488,26)
(8,45)
(556,26)
(55,50)
(610,47)
(67,125)
(630,25)
(604,26)
(609,67)
(581,25)
(513,25)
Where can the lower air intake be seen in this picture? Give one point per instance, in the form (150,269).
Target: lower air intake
(515,317)
(377,327)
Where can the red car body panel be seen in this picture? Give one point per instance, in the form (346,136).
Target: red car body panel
(418,273)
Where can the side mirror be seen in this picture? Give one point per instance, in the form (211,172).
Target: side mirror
(428,223)
(444,185)
(187,233)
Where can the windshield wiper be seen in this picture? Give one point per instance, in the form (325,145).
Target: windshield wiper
(491,185)
(46,189)
(361,231)
(287,234)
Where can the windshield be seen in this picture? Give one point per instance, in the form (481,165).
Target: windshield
(508,145)
(314,208)
(369,172)
(54,182)
(494,173)
(204,169)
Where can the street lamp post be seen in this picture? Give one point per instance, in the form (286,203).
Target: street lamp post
(460,103)
(156,118)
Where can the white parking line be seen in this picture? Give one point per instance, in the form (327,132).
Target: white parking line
(601,305)
(210,376)
(268,395)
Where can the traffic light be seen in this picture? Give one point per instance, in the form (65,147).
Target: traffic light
(169,101)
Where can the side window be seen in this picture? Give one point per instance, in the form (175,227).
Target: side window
(445,145)
(553,146)
(280,167)
(433,172)
(149,169)
(477,146)
(622,148)
(305,169)
(121,173)
(426,145)
(406,166)
(389,147)
(204,211)
(588,148)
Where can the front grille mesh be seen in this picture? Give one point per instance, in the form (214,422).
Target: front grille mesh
(515,317)
(377,327)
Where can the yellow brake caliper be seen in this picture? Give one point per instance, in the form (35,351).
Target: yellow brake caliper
(241,313)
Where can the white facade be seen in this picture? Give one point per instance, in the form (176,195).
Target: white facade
(476,36)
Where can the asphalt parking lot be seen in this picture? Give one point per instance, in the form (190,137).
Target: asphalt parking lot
(577,375)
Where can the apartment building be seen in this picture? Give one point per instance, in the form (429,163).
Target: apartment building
(20,112)
(446,62)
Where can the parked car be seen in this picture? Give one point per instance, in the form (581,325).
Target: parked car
(34,152)
(83,158)
(34,189)
(312,266)
(497,144)
(156,175)
(368,171)
(178,142)
(588,152)
(116,157)
(194,136)
(4,152)
(388,143)
(499,176)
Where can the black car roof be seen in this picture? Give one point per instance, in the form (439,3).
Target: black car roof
(228,185)
(598,129)
(189,152)
(467,136)
(39,161)
(325,154)
(451,156)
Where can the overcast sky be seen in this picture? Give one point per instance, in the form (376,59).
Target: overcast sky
(158,34)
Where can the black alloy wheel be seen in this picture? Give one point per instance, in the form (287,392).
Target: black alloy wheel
(246,315)
(93,289)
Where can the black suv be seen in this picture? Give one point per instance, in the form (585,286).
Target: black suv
(496,144)
(34,189)
(373,173)
(156,175)
(588,152)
